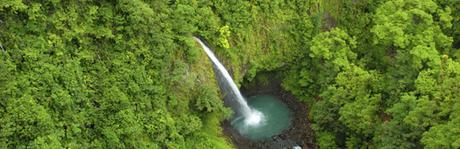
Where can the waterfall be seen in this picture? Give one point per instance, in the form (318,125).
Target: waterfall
(231,91)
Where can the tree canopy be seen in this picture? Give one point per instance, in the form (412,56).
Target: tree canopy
(127,73)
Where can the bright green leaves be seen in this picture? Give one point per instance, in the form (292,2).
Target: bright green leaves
(348,94)
(34,12)
(445,135)
(360,108)
(224,33)
(207,100)
(438,105)
(24,119)
(7,69)
(356,80)
(189,125)
(431,107)
(183,22)
(50,141)
(335,46)
(409,28)
(386,82)
(422,115)
(398,21)
(139,13)
(357,108)
(411,33)
(127,74)
(400,110)
(325,140)
(15,5)
(425,55)
(330,52)
(101,74)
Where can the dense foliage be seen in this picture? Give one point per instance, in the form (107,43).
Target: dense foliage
(127,74)
(386,77)
(116,74)
(84,74)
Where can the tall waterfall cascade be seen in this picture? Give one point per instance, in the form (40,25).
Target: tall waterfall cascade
(237,101)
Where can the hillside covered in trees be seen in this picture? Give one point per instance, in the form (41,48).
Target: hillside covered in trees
(128,74)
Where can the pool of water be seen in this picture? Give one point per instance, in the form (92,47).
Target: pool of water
(276,117)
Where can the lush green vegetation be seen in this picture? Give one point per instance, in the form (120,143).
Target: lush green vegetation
(127,74)
(386,77)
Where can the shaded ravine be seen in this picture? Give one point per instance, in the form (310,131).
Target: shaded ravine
(299,133)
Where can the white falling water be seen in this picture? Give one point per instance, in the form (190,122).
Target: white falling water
(251,116)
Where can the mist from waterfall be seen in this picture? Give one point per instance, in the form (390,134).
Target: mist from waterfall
(237,101)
